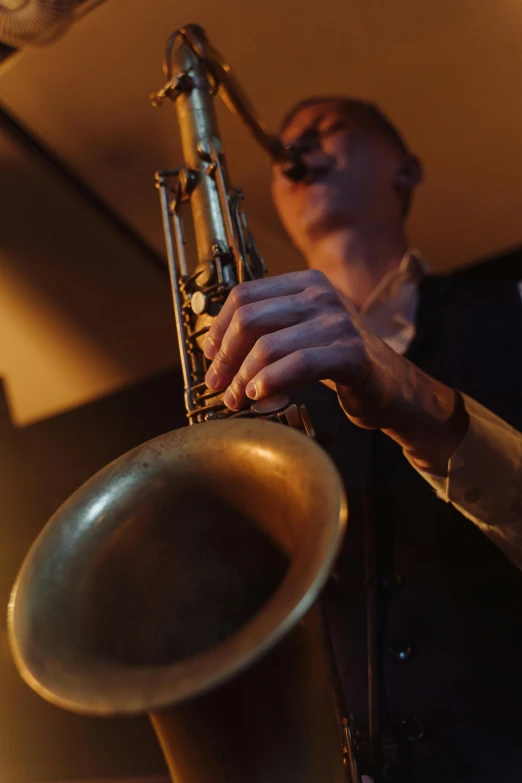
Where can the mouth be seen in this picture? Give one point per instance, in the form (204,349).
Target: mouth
(315,175)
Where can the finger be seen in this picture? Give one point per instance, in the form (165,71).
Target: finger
(255,291)
(270,348)
(309,364)
(248,324)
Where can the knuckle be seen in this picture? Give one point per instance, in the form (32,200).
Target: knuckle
(321,296)
(241,379)
(242,318)
(341,323)
(223,358)
(316,277)
(358,354)
(302,362)
(331,327)
(265,348)
(239,295)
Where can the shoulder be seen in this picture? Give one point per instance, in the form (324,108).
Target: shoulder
(505,266)
(491,275)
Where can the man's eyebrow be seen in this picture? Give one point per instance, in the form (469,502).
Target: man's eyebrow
(312,125)
(308,127)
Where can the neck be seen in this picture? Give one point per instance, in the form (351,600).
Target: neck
(356,260)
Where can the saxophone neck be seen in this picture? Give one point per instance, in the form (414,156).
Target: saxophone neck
(222,79)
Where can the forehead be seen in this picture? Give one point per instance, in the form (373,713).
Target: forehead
(310,116)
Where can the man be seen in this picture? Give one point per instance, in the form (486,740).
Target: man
(433,614)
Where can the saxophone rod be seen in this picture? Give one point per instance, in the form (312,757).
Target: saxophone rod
(233,95)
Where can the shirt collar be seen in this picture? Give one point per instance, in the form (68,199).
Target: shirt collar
(390,310)
(411,269)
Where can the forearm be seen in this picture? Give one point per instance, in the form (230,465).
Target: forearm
(484,480)
(472,458)
(426,417)
(430,423)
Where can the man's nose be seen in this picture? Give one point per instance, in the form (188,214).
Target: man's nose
(317,161)
(312,157)
(306,144)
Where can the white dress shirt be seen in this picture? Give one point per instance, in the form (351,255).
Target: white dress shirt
(484,480)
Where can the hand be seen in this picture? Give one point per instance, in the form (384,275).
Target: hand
(278,332)
(282,331)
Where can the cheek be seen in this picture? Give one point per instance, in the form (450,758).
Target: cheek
(283,197)
(275,190)
(365,175)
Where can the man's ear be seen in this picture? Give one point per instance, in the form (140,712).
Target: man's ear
(409,173)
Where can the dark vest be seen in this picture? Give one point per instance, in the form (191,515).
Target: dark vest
(449,603)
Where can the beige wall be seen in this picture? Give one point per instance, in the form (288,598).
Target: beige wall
(81,311)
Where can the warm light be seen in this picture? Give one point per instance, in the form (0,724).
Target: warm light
(13,5)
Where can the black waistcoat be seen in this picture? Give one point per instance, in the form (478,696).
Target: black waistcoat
(450,603)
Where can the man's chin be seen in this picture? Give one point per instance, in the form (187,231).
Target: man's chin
(318,223)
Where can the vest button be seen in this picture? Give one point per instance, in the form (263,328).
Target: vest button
(391,773)
(400,649)
(391,582)
(413,729)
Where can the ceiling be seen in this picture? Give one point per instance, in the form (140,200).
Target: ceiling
(88,311)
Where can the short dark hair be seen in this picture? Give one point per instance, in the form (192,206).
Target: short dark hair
(365,115)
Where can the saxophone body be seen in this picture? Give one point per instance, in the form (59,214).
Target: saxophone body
(182,579)
(225,250)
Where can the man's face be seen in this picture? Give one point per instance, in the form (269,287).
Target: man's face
(352,175)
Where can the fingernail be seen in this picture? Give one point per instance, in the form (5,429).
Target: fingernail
(251,390)
(211,378)
(229,398)
(209,348)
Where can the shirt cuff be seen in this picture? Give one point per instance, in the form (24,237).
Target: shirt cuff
(484,473)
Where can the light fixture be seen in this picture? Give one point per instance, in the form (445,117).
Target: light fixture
(34,22)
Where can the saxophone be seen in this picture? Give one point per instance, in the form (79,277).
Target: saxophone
(226,252)
(182,579)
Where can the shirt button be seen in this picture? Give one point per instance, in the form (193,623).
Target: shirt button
(400,649)
(413,729)
(472,495)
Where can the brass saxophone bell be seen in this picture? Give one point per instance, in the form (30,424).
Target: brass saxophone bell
(175,582)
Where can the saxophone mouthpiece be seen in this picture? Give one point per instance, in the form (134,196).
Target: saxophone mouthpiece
(289,158)
(294,167)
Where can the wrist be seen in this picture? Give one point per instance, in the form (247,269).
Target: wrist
(430,424)
(426,417)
